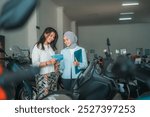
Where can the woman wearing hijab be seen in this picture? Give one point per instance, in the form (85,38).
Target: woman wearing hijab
(70,62)
(42,53)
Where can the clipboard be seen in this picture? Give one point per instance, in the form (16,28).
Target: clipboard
(78,57)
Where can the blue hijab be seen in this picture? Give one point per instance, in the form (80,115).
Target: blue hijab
(72,37)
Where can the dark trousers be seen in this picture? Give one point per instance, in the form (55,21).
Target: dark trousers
(68,83)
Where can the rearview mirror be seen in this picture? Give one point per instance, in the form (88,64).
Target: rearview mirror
(15,13)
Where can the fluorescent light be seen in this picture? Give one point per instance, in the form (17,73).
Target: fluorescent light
(127,13)
(130,3)
(127,18)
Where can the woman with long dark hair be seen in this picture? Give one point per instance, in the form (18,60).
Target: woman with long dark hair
(42,53)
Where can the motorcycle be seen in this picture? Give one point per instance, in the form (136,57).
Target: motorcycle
(23,90)
(90,85)
(8,81)
(119,81)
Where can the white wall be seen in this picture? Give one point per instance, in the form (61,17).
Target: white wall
(60,27)
(129,36)
(74,27)
(32,31)
(16,37)
(67,23)
(47,14)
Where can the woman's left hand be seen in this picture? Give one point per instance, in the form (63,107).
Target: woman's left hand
(51,62)
(76,63)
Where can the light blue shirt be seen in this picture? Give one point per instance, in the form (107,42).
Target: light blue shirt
(66,65)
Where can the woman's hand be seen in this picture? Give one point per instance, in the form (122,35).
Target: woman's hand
(51,62)
(46,63)
(76,63)
(56,66)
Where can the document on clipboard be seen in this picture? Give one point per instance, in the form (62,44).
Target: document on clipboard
(78,57)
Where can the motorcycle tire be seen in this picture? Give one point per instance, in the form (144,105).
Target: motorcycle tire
(23,94)
(58,95)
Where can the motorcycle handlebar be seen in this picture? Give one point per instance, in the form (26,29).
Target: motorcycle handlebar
(89,68)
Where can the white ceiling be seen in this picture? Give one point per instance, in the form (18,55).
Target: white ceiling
(93,12)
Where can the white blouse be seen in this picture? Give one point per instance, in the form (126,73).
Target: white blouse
(39,55)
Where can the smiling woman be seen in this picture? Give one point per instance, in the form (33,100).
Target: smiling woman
(74,62)
(42,54)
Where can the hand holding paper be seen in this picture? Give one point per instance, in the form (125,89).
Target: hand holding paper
(52,61)
(76,63)
(58,57)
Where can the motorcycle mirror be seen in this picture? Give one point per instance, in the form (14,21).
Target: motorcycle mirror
(15,13)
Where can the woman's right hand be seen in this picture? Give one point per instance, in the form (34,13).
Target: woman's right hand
(52,61)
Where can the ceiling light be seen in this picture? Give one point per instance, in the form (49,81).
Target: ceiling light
(130,3)
(127,18)
(127,13)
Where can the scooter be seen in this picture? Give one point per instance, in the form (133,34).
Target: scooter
(9,80)
(121,83)
(24,89)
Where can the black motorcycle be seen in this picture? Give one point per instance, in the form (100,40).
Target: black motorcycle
(88,86)
(24,90)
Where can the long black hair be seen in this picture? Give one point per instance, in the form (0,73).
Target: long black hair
(42,38)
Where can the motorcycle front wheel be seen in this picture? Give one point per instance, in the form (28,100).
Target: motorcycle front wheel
(24,95)
(58,95)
